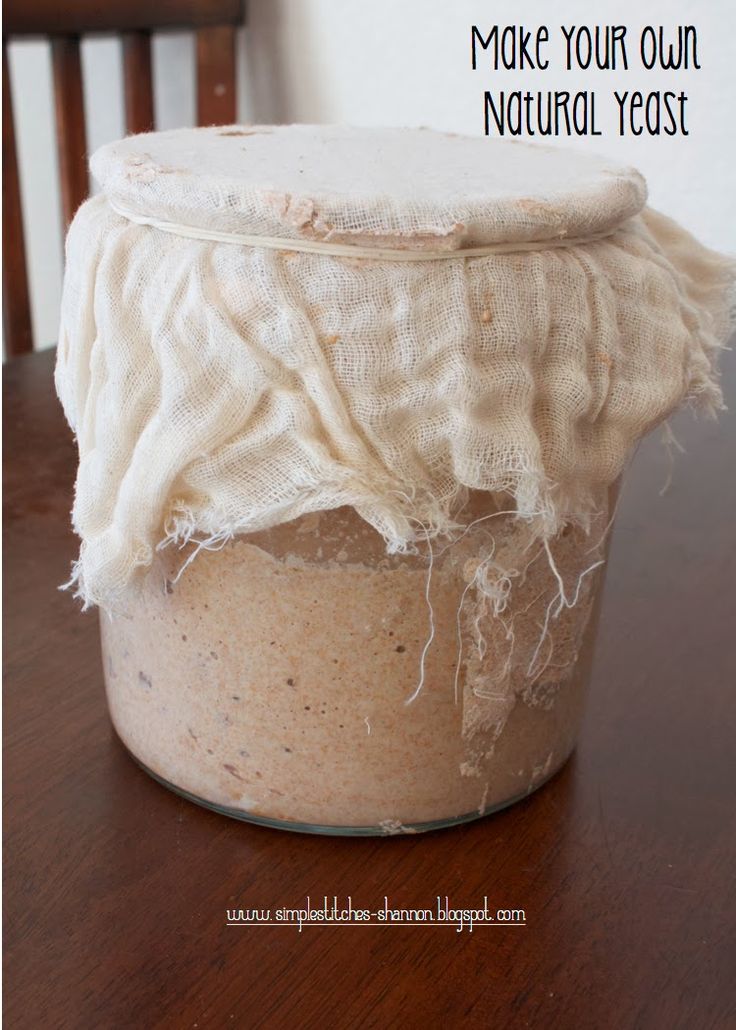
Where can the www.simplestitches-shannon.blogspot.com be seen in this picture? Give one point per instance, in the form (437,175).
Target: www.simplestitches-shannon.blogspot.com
(333,912)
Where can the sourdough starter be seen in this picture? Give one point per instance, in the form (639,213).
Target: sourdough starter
(281,676)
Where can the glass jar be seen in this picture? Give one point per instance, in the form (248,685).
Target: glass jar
(301,677)
(349,405)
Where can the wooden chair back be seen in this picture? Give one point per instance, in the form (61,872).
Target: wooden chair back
(65,21)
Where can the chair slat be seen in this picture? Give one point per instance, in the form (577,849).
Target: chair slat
(16,303)
(216,102)
(138,81)
(215,23)
(70,128)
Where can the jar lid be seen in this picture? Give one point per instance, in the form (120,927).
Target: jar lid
(397,187)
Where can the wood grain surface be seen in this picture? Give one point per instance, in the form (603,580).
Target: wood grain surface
(117,890)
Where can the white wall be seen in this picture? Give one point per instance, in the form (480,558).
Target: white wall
(394,62)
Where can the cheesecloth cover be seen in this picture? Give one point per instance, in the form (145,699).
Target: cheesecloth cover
(221,377)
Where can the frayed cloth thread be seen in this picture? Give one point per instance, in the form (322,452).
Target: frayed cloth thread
(216,391)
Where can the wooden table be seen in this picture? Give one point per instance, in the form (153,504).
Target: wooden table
(117,890)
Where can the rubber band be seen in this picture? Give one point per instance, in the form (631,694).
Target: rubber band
(350,250)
